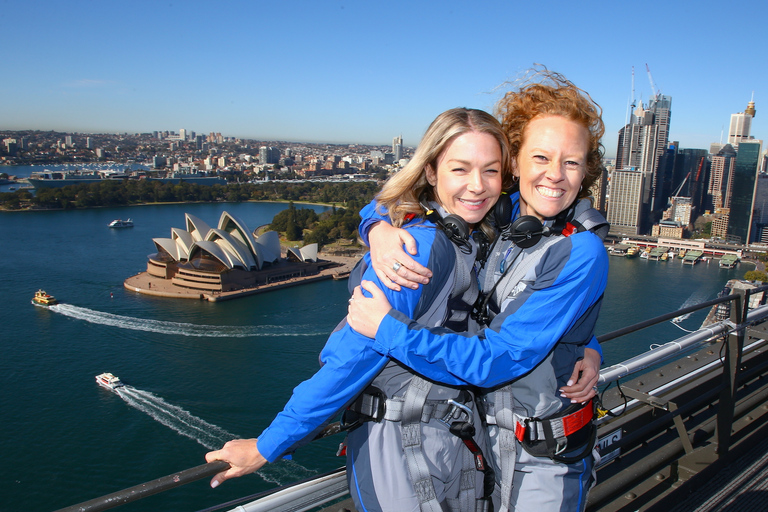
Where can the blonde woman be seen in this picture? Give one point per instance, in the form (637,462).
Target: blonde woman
(401,455)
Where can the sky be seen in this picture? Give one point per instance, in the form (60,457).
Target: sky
(364,72)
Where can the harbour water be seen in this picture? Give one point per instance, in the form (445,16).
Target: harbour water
(198,373)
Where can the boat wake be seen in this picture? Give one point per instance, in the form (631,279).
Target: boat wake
(199,430)
(175,418)
(180,328)
(695,298)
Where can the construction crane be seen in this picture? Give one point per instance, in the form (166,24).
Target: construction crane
(677,192)
(653,85)
(701,165)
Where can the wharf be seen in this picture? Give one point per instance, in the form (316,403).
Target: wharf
(150,285)
(692,257)
(729,261)
(657,253)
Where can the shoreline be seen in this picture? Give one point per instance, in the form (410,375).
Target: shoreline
(328,205)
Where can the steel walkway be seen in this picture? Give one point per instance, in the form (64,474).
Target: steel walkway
(740,487)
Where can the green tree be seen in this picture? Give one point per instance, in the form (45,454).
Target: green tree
(756,275)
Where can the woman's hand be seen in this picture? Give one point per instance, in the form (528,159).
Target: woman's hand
(243,457)
(365,314)
(391,263)
(582,384)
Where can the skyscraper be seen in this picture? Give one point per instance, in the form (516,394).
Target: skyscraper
(743,190)
(625,204)
(720,178)
(395,141)
(740,125)
(642,142)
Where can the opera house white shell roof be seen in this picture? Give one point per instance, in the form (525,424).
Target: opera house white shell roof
(232,244)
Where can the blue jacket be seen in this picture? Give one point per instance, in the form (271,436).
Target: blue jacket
(561,303)
(348,362)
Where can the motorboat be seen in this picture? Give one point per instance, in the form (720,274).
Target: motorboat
(44,299)
(108,381)
(119,223)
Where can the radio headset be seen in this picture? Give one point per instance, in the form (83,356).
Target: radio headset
(525,232)
(452,225)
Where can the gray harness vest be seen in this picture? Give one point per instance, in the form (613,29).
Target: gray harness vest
(500,404)
(397,394)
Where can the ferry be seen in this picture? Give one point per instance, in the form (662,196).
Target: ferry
(632,252)
(119,223)
(44,299)
(108,381)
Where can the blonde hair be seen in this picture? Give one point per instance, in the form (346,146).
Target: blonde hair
(543,92)
(401,193)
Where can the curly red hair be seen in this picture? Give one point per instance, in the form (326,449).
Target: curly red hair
(544,92)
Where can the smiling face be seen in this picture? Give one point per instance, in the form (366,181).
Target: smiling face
(551,165)
(467,180)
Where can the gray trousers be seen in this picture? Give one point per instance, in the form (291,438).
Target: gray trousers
(540,484)
(378,474)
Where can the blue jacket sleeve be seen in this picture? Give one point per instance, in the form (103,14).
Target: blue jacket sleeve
(595,345)
(349,365)
(370,217)
(519,337)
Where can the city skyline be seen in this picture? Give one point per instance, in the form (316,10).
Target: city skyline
(347,73)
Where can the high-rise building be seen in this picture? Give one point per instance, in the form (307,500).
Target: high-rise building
(625,202)
(740,125)
(743,190)
(721,171)
(269,155)
(760,209)
(395,141)
(642,142)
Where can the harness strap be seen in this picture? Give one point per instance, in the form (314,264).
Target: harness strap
(374,407)
(505,419)
(415,398)
(560,427)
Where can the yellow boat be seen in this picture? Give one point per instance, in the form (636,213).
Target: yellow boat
(44,299)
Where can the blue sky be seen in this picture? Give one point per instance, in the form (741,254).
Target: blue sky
(364,72)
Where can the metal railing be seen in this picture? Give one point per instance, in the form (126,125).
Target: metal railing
(734,328)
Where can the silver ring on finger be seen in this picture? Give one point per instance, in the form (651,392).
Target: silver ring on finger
(396,266)
(351,300)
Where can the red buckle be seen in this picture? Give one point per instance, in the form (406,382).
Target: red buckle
(569,229)
(519,431)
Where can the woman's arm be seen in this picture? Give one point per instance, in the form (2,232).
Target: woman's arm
(518,338)
(349,365)
(393,265)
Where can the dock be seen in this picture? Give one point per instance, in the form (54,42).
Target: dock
(658,253)
(692,257)
(729,261)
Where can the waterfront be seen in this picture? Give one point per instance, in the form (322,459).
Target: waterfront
(201,372)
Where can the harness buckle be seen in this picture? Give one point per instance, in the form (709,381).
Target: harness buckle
(454,411)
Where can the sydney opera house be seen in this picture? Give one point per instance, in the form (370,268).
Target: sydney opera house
(227,258)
